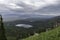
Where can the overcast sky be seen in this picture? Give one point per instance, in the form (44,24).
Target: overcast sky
(29,7)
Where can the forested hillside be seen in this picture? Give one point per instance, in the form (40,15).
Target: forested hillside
(53,34)
(48,29)
(39,26)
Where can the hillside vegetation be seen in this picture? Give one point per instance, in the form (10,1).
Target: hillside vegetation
(39,27)
(53,34)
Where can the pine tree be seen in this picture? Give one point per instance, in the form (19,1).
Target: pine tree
(2,30)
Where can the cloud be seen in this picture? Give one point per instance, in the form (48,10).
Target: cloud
(27,4)
(36,4)
(29,7)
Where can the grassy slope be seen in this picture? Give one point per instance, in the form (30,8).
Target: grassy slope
(50,35)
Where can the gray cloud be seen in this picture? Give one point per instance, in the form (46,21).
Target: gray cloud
(29,7)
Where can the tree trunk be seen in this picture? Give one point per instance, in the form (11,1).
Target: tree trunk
(2,30)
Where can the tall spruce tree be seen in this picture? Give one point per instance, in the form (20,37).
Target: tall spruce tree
(2,30)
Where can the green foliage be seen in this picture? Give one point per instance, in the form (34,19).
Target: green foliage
(2,30)
(11,38)
(38,27)
(50,35)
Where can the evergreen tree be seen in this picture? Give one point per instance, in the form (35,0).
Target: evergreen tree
(2,30)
